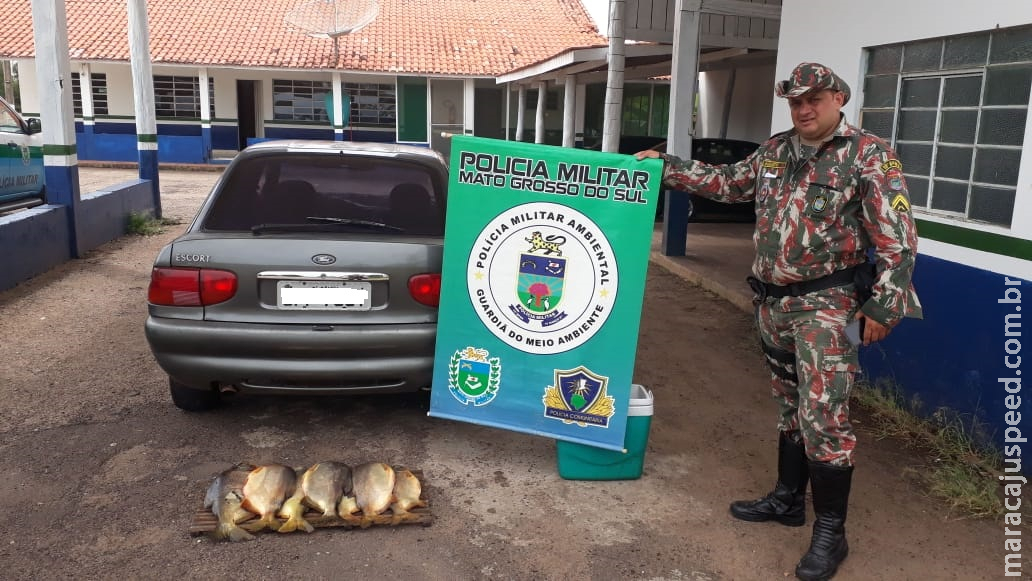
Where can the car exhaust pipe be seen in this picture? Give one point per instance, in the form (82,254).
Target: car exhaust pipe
(228,389)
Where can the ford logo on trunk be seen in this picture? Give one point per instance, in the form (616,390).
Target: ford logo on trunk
(324,259)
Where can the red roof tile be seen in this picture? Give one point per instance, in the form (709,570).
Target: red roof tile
(425,37)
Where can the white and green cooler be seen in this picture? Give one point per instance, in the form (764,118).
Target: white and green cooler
(580,462)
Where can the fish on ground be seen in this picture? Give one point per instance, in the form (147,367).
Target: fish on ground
(407,491)
(347,505)
(266,489)
(320,488)
(225,498)
(373,483)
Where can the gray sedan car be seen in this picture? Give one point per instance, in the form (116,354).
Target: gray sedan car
(311,267)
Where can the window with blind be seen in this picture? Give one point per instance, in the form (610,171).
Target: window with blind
(180,97)
(368,104)
(300,100)
(98,84)
(372,104)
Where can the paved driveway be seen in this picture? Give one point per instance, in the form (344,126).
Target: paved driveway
(101,474)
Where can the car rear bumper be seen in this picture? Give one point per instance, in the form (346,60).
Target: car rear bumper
(294,358)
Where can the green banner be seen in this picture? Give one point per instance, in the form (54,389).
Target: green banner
(546,251)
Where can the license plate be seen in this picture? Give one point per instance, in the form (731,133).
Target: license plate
(323,295)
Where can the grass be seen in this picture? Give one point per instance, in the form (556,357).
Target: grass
(145,224)
(961,472)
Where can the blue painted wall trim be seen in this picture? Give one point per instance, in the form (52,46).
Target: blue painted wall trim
(34,241)
(954,357)
(104,213)
(206,144)
(149,172)
(185,130)
(114,127)
(38,239)
(122,147)
(62,183)
(223,137)
(114,141)
(84,145)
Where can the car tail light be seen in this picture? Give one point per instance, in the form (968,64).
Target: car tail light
(426,289)
(190,287)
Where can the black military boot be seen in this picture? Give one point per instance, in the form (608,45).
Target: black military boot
(786,504)
(828,547)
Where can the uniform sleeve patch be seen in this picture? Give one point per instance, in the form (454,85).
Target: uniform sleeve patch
(892,164)
(900,203)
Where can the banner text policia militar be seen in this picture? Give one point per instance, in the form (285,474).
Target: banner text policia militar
(546,250)
(569,179)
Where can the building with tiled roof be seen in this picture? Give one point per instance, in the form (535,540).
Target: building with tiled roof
(270,69)
(463,38)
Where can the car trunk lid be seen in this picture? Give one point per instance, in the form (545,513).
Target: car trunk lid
(286,279)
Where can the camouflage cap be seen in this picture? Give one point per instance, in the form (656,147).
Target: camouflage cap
(809,76)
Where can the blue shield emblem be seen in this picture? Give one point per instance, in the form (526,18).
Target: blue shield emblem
(540,283)
(579,396)
(579,389)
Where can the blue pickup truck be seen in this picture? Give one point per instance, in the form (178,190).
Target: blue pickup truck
(21,160)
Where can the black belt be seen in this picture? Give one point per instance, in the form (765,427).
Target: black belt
(796,289)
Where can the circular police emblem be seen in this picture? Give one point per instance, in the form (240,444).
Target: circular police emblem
(542,277)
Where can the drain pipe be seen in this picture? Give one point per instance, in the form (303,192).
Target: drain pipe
(615,81)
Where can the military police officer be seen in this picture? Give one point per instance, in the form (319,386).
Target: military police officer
(825,192)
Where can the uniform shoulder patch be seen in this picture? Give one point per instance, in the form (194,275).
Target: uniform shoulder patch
(900,203)
(892,164)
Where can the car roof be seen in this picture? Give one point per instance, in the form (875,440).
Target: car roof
(362,148)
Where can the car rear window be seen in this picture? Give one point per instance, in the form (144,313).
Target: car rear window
(285,189)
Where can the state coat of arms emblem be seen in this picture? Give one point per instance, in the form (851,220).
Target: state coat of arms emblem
(473,376)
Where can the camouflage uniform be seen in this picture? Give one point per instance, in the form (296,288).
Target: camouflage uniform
(817,212)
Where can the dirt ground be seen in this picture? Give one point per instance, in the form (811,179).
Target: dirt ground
(101,474)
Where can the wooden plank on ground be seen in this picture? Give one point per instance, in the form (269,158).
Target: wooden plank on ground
(204,521)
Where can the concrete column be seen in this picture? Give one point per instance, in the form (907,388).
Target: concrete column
(469,90)
(338,108)
(539,117)
(582,98)
(8,81)
(615,81)
(88,114)
(521,106)
(202,78)
(508,109)
(143,97)
(684,75)
(54,78)
(569,111)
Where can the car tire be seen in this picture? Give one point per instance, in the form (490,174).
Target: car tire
(191,399)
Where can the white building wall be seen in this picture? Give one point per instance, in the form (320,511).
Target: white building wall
(120,87)
(120,82)
(27,87)
(835,32)
(750,103)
